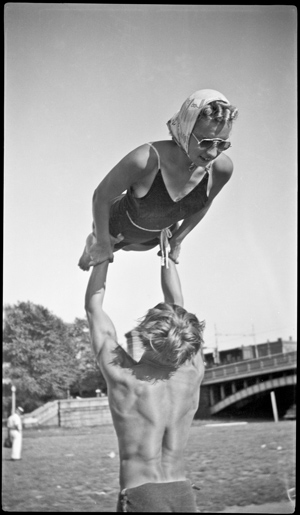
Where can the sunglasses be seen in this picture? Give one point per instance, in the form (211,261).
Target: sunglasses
(220,144)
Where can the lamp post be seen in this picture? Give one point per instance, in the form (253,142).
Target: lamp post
(13,399)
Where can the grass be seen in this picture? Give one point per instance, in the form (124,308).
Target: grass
(76,470)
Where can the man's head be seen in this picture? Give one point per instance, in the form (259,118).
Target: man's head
(19,410)
(171,333)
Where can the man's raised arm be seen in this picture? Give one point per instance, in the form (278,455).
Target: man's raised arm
(101,327)
(171,285)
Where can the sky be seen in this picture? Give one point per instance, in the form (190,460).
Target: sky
(87,83)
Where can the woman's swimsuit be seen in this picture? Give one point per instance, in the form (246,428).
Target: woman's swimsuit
(149,220)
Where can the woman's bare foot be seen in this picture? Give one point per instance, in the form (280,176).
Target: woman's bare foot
(85,259)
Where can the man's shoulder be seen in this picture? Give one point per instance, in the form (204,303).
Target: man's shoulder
(194,368)
(114,359)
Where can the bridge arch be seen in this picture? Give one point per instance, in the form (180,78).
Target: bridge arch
(270,384)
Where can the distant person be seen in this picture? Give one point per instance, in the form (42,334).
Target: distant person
(14,425)
(160,191)
(153,398)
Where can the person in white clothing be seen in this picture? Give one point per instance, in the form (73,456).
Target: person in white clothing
(14,425)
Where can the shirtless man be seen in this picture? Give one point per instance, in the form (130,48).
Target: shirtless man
(170,185)
(152,400)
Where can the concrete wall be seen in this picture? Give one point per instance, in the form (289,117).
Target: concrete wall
(93,411)
(46,415)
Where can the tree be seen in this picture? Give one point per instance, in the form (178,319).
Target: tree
(90,377)
(41,356)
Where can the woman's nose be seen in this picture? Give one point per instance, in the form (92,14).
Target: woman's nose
(212,151)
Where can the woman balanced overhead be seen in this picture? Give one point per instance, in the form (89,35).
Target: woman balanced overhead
(159,192)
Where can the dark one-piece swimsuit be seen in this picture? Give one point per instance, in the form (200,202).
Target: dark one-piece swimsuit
(150,219)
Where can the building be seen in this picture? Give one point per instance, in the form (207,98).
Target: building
(228,356)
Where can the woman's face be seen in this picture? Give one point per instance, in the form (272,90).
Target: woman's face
(207,129)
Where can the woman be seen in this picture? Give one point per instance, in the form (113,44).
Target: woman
(166,182)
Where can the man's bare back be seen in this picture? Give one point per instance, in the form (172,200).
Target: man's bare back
(152,398)
(152,410)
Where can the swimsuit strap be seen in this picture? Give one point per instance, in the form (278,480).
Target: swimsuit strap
(165,246)
(208,167)
(155,150)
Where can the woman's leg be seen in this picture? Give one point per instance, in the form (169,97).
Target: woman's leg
(139,247)
(84,261)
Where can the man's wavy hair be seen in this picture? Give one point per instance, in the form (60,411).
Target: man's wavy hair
(171,332)
(219,111)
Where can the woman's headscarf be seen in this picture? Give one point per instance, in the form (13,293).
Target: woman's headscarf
(182,123)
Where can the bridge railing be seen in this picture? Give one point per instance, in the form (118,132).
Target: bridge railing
(247,367)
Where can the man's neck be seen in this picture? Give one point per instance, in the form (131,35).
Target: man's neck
(152,358)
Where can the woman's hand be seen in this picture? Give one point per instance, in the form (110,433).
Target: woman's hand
(100,253)
(174,250)
(96,253)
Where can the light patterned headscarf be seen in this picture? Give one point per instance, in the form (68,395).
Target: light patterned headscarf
(182,123)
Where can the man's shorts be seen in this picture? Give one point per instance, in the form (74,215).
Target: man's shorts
(175,496)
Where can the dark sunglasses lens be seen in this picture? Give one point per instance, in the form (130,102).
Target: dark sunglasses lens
(224,145)
(206,143)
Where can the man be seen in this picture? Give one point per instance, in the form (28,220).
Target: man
(14,425)
(152,400)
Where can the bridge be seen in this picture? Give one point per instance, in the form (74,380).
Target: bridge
(238,383)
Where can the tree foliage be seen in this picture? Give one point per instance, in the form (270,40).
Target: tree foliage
(90,376)
(46,357)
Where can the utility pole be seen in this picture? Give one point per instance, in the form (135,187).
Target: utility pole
(254,339)
(216,353)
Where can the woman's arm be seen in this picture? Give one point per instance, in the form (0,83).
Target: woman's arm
(131,169)
(222,169)
(184,229)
